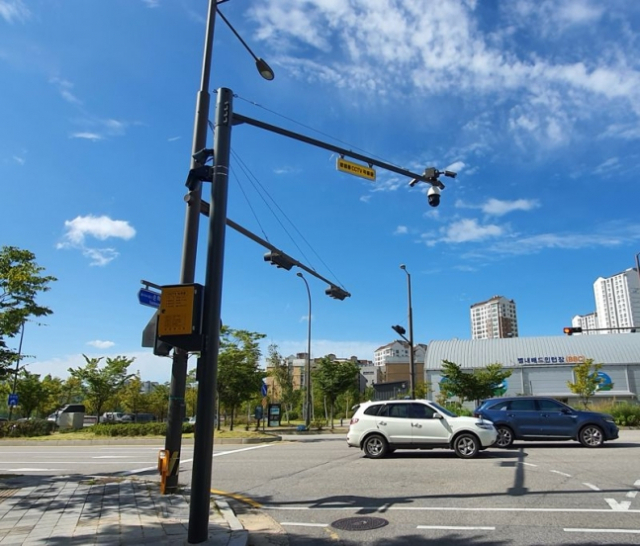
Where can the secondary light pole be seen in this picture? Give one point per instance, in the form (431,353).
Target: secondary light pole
(175,414)
(307,364)
(412,369)
(15,373)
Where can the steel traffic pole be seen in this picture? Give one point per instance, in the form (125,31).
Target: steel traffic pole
(176,412)
(199,505)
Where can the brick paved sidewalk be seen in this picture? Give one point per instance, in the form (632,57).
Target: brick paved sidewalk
(76,510)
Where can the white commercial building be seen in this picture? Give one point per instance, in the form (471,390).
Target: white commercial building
(494,318)
(542,366)
(618,301)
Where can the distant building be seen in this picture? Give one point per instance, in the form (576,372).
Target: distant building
(588,323)
(296,367)
(392,362)
(618,301)
(542,366)
(494,318)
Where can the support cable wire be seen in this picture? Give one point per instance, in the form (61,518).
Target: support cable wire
(352,146)
(262,192)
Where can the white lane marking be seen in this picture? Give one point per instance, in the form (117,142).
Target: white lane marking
(294,524)
(529,464)
(561,473)
(632,531)
(632,494)
(32,469)
(621,506)
(456,528)
(230,452)
(184,461)
(591,486)
(113,457)
(637,483)
(449,509)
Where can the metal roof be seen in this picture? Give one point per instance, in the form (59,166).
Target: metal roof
(519,351)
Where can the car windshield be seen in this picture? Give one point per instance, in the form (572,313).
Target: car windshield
(443,410)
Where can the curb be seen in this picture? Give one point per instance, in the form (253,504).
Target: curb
(133,441)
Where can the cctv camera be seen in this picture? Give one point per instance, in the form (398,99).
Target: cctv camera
(433,196)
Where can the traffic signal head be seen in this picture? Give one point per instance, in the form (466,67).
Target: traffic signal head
(336,293)
(399,330)
(279,260)
(570,330)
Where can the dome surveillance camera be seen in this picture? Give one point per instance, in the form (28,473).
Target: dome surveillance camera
(433,196)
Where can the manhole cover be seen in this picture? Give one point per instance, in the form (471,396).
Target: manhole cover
(359,523)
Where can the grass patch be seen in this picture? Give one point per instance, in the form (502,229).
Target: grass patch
(87,434)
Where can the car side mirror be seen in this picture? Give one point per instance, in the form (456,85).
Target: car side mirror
(437,416)
(567,411)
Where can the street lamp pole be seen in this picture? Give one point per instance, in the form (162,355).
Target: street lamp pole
(412,369)
(307,364)
(193,199)
(175,415)
(15,373)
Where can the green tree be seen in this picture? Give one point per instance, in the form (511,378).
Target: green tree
(191,394)
(332,378)
(587,380)
(101,384)
(281,374)
(455,381)
(51,394)
(158,400)
(422,389)
(132,398)
(239,376)
(475,385)
(21,281)
(487,380)
(30,392)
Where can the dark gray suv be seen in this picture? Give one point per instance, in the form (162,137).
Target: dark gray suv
(540,418)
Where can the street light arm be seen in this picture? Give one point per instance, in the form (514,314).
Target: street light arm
(261,64)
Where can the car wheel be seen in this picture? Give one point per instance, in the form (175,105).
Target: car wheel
(466,446)
(505,437)
(591,436)
(375,447)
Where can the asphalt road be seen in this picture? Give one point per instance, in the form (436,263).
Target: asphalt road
(535,493)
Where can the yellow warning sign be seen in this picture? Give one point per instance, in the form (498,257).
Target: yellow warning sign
(355,169)
(176,310)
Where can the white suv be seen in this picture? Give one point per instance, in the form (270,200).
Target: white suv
(382,427)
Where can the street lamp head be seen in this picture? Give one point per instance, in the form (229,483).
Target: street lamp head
(402,266)
(299,274)
(264,69)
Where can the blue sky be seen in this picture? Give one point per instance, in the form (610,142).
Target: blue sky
(534,103)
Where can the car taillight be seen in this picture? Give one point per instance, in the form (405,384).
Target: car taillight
(353,421)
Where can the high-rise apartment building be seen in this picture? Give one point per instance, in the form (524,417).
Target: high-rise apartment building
(618,301)
(494,318)
(588,323)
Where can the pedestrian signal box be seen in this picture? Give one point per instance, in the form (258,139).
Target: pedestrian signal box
(180,316)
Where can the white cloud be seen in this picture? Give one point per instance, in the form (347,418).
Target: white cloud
(86,136)
(99,344)
(464,231)
(64,88)
(100,227)
(97,227)
(173,139)
(427,47)
(498,207)
(401,230)
(152,3)
(14,10)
